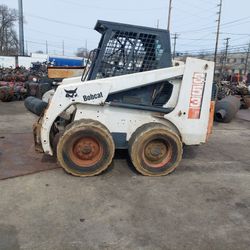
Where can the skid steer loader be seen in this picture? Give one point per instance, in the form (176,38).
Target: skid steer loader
(132,97)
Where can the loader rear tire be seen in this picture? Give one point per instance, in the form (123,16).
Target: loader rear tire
(86,148)
(155,150)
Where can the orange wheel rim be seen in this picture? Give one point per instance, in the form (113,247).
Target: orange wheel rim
(157,153)
(86,151)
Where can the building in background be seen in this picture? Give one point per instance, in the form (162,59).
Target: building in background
(26,61)
(235,63)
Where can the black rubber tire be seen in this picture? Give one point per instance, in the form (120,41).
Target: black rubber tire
(81,131)
(168,141)
(6,94)
(43,88)
(35,105)
(230,105)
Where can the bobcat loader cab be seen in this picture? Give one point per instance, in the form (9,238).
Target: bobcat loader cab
(130,98)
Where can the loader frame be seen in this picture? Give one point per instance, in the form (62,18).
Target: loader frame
(186,112)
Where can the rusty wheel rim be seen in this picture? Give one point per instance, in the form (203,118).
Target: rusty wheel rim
(86,151)
(157,153)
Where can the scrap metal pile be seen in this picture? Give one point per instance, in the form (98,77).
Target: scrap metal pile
(226,88)
(18,83)
(231,96)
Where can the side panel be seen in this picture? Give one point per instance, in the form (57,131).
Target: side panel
(120,121)
(191,114)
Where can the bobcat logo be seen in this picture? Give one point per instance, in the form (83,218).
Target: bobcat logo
(71,93)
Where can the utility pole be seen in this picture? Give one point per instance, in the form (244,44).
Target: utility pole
(247,57)
(227,45)
(27,50)
(86,45)
(169,13)
(218,33)
(21,34)
(175,38)
(158,22)
(63,47)
(224,61)
(47,47)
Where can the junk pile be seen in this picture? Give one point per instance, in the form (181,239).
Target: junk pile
(18,83)
(231,96)
(226,88)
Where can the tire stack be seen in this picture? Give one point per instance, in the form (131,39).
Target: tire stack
(18,83)
(12,84)
(6,91)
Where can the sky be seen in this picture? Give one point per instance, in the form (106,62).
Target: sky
(73,21)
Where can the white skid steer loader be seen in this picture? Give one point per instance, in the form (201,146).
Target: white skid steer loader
(130,98)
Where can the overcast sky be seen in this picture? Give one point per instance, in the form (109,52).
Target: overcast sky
(73,21)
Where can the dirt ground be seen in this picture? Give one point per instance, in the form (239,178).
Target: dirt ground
(204,204)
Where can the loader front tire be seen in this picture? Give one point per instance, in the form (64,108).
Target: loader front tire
(86,148)
(155,150)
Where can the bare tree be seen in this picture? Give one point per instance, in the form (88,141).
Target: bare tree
(82,52)
(8,36)
(39,52)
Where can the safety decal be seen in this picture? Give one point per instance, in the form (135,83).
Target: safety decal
(195,103)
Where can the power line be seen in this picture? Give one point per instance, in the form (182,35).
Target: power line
(59,22)
(207,1)
(46,43)
(195,14)
(232,49)
(55,44)
(110,9)
(223,24)
(235,34)
(59,48)
(197,39)
(237,20)
(54,35)
(205,29)
(201,41)
(189,3)
(195,21)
